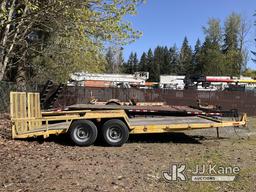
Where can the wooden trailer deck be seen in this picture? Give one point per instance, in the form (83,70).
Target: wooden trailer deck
(167,121)
(161,110)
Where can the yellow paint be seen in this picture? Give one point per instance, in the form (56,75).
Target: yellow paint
(182,127)
(245,81)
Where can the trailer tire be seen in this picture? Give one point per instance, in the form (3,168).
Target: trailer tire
(83,132)
(115,132)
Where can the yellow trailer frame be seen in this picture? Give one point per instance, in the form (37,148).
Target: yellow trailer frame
(29,121)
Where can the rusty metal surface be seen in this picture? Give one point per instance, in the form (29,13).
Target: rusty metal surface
(243,101)
(139,108)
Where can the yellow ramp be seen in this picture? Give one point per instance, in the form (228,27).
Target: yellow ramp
(25,112)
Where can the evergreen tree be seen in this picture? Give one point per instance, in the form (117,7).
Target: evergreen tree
(158,62)
(197,68)
(211,59)
(165,67)
(213,31)
(243,32)
(128,66)
(185,65)
(143,63)
(233,55)
(221,53)
(232,26)
(174,60)
(233,62)
(135,63)
(151,66)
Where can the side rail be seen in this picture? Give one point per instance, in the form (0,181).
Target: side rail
(213,123)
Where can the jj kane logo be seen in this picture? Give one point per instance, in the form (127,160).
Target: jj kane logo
(211,172)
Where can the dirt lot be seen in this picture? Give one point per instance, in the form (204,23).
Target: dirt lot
(55,165)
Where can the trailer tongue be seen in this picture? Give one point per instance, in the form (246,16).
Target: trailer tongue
(84,126)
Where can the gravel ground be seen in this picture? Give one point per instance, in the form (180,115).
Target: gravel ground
(55,165)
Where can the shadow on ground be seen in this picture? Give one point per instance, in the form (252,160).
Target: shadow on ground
(165,138)
(141,138)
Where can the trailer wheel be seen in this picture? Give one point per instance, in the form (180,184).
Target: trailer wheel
(83,132)
(115,132)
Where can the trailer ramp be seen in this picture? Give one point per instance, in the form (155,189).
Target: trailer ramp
(26,117)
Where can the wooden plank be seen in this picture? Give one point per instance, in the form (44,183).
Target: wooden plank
(21,108)
(16,100)
(16,106)
(23,111)
(34,111)
(12,113)
(39,114)
(29,111)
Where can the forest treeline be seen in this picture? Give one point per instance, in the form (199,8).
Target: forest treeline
(52,39)
(222,52)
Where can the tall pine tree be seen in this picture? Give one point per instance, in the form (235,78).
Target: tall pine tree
(197,66)
(153,73)
(213,31)
(185,65)
(128,66)
(165,67)
(233,54)
(158,61)
(211,60)
(135,63)
(174,60)
(143,63)
(232,25)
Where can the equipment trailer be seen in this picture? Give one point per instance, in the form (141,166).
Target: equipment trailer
(84,126)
